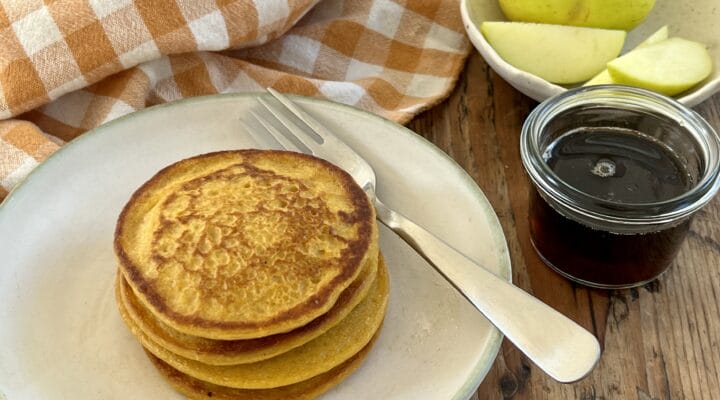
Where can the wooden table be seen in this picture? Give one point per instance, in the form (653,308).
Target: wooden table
(660,341)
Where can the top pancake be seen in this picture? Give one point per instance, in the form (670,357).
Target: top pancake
(244,244)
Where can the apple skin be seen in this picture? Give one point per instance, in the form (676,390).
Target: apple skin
(607,14)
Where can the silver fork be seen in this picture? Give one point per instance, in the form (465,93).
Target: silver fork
(556,344)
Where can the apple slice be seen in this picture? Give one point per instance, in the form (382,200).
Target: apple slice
(669,67)
(605,78)
(556,53)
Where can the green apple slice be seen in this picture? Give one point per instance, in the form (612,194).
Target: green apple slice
(669,67)
(604,77)
(556,53)
(659,35)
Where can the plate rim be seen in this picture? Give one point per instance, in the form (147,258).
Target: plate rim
(480,371)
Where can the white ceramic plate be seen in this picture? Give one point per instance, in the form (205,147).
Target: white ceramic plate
(695,20)
(61,336)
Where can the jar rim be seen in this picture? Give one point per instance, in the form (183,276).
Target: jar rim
(572,199)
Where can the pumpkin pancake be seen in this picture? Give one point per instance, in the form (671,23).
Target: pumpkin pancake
(315,357)
(196,389)
(228,352)
(244,244)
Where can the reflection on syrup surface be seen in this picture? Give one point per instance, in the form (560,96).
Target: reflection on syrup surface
(617,165)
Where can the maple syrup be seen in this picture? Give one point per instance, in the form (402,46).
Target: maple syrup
(617,165)
(618,174)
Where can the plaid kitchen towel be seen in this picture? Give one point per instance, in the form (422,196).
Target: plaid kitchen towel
(67,66)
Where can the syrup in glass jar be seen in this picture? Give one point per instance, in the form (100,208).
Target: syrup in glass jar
(618,174)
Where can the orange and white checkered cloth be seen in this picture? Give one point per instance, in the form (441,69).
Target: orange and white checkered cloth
(67,66)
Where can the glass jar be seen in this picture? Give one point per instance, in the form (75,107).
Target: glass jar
(593,237)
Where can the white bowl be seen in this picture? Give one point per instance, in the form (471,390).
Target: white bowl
(697,20)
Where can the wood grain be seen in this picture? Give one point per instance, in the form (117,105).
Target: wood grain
(660,341)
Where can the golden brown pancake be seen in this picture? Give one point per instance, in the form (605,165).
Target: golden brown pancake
(196,389)
(244,244)
(228,352)
(319,355)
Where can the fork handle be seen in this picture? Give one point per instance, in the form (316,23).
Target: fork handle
(556,344)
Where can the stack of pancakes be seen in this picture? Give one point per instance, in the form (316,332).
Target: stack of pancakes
(251,274)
